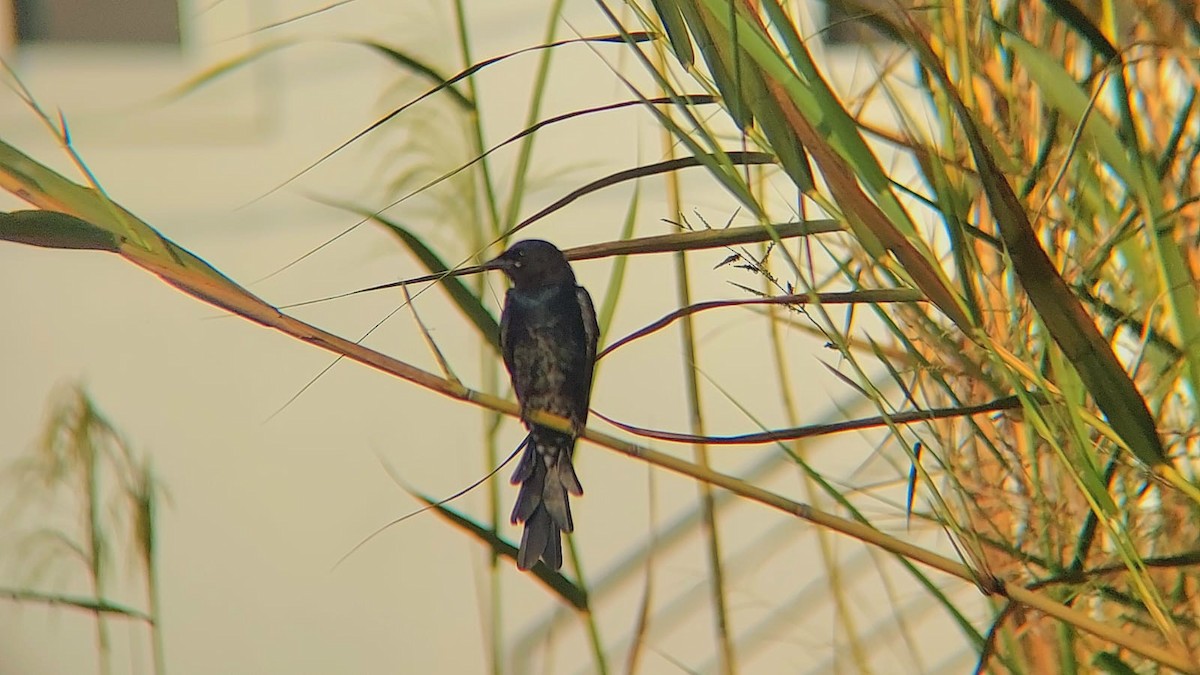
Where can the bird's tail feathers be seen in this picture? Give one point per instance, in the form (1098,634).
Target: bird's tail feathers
(566,475)
(540,540)
(530,496)
(547,477)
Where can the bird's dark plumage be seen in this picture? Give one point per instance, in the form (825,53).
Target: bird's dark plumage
(548,335)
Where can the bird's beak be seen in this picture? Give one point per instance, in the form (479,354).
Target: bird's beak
(502,262)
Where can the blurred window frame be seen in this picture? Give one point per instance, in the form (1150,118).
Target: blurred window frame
(109,22)
(114,87)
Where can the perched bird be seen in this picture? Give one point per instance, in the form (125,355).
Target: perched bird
(548,335)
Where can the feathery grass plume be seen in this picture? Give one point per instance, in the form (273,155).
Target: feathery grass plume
(85,498)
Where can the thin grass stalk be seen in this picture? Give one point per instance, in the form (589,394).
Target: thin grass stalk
(858,516)
(154,597)
(97,553)
(882,631)
(525,152)
(478,144)
(86,604)
(599,658)
(833,569)
(644,616)
(725,649)
(495,613)
(691,363)
(142,495)
(792,609)
(743,565)
(899,620)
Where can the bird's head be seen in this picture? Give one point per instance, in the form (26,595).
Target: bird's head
(532,262)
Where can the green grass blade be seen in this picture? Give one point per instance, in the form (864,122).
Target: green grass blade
(670,12)
(558,584)
(466,301)
(50,229)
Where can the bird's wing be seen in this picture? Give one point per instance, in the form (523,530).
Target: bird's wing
(591,331)
(506,346)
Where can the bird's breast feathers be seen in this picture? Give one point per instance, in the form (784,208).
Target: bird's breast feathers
(549,348)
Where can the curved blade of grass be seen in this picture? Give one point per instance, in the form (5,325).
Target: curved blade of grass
(223,68)
(395,476)
(671,14)
(704,143)
(689,99)
(1077,20)
(443,85)
(463,298)
(567,591)
(836,298)
(412,63)
(742,158)
(294,18)
(692,99)
(664,243)
(519,171)
(616,277)
(784,140)
(50,229)
(813,430)
(745,94)
(85,604)
(425,71)
(728,75)
(819,104)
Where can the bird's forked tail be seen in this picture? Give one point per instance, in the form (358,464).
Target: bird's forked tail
(547,477)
